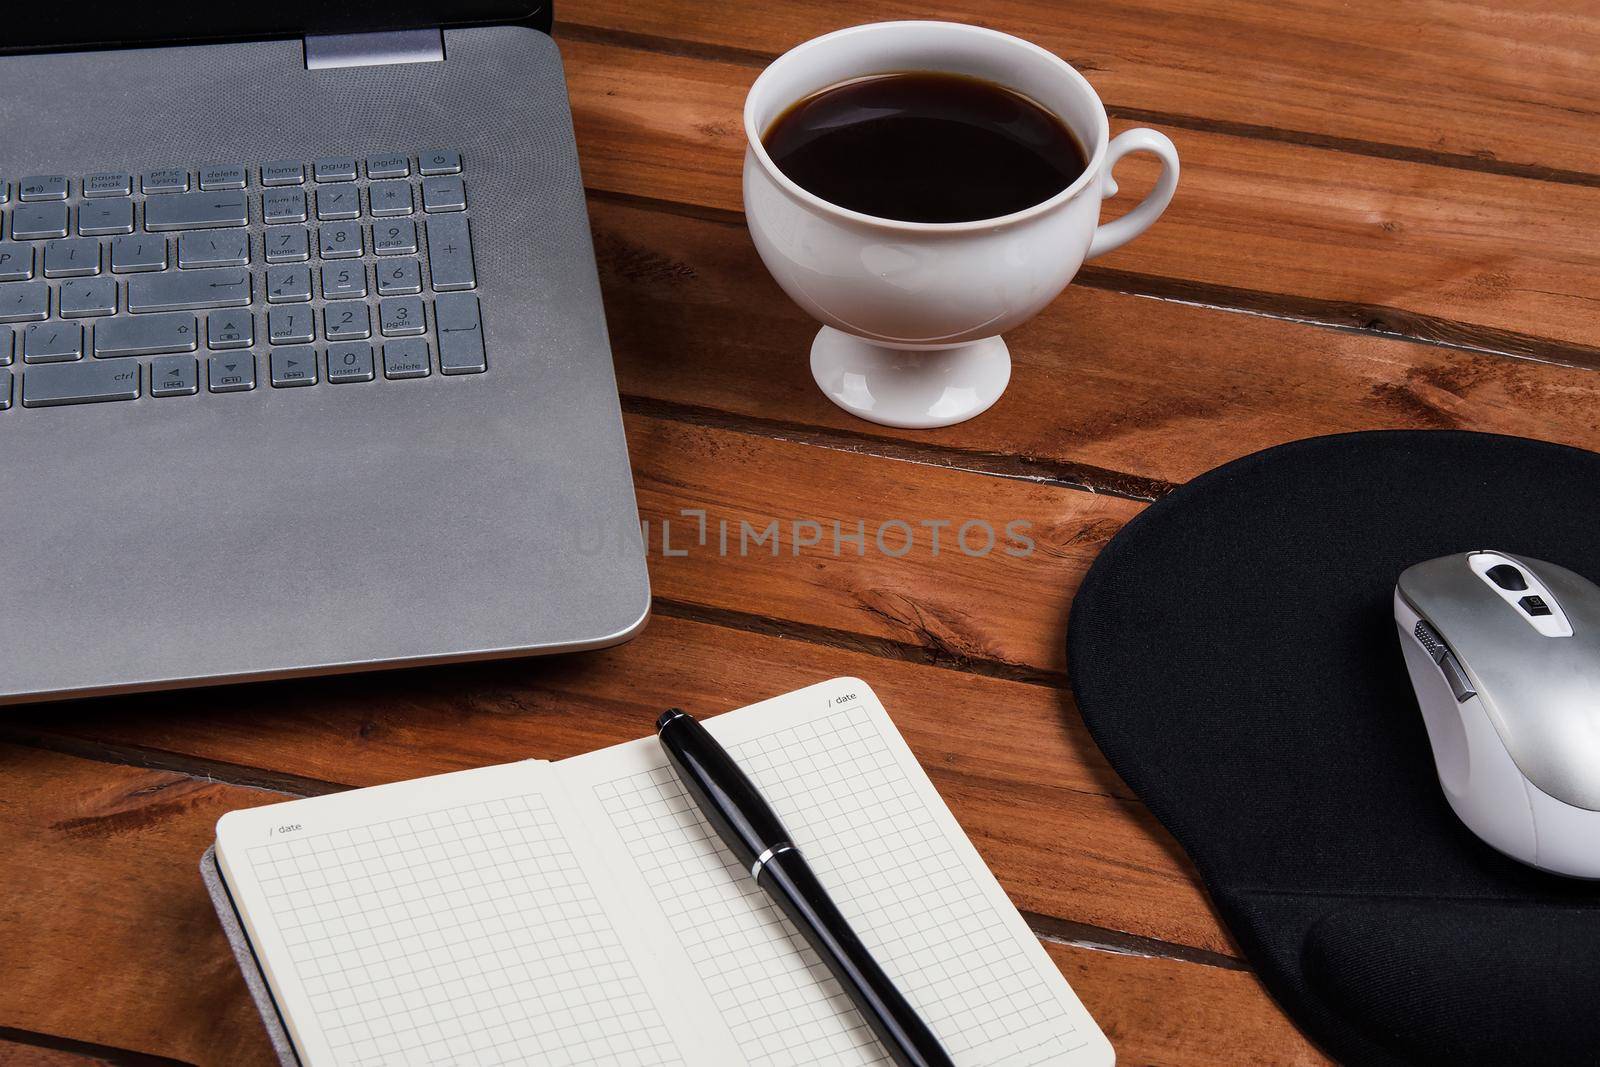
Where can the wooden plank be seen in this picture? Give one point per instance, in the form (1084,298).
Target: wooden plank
(1505,87)
(1012,760)
(20,1054)
(974,570)
(1108,390)
(1170,1024)
(1491,260)
(102,881)
(109,936)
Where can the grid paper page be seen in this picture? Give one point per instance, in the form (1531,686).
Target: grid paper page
(468,935)
(883,852)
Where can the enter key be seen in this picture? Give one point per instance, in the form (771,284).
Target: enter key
(460,334)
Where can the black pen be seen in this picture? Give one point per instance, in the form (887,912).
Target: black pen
(755,834)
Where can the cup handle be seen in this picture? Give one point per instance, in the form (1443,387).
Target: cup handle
(1117,233)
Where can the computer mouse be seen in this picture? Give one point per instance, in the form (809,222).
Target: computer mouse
(1504,654)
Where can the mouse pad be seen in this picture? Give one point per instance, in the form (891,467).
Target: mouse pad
(1234,654)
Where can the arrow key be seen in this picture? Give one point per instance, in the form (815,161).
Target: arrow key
(234,372)
(174,376)
(294,367)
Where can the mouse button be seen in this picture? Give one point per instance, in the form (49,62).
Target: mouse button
(1460,686)
(1534,605)
(1441,590)
(1545,705)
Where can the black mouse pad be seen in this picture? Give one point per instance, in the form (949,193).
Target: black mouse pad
(1234,654)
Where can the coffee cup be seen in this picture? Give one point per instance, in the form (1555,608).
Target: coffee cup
(912,312)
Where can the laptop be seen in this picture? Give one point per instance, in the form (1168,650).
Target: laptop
(303,366)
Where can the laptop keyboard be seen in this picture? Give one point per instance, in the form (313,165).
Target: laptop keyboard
(179,282)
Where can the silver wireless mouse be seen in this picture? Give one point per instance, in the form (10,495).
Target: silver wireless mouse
(1504,654)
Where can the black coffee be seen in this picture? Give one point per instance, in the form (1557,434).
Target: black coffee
(925,147)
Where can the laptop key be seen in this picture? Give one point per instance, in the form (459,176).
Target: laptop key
(82,297)
(79,383)
(288,285)
(230,329)
(388,165)
(283,205)
(406,359)
(52,342)
(283,172)
(443,194)
(291,325)
(440,161)
(292,367)
(164,180)
(72,257)
(450,254)
(460,327)
(222,176)
(139,252)
(16,262)
(335,169)
(339,202)
(349,322)
(105,217)
(344,281)
(187,290)
(389,198)
(42,187)
(34,222)
(144,335)
(350,363)
(5,346)
(5,390)
(339,242)
(394,238)
(399,279)
(109,184)
(232,373)
(24,301)
(227,248)
(174,376)
(287,244)
(402,317)
(196,211)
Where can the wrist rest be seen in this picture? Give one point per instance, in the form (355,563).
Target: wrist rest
(1234,654)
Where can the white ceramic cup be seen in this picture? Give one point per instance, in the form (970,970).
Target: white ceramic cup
(912,311)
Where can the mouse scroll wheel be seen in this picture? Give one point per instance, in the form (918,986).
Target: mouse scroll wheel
(1507,577)
(1430,641)
(1449,666)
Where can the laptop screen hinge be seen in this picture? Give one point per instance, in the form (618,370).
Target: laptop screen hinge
(325,51)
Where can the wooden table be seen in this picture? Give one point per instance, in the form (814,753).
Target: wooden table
(1387,218)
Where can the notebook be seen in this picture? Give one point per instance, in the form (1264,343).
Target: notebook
(584,912)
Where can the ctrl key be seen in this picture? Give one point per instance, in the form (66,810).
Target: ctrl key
(50,385)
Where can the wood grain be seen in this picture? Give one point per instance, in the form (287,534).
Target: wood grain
(1284,220)
(109,936)
(104,873)
(1110,391)
(17,1053)
(1505,87)
(1062,833)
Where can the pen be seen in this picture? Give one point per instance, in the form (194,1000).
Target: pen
(755,834)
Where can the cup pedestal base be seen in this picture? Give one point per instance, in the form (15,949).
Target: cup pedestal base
(911,389)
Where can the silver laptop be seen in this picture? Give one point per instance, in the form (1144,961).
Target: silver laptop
(303,366)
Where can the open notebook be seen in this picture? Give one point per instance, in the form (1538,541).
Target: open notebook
(583,912)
